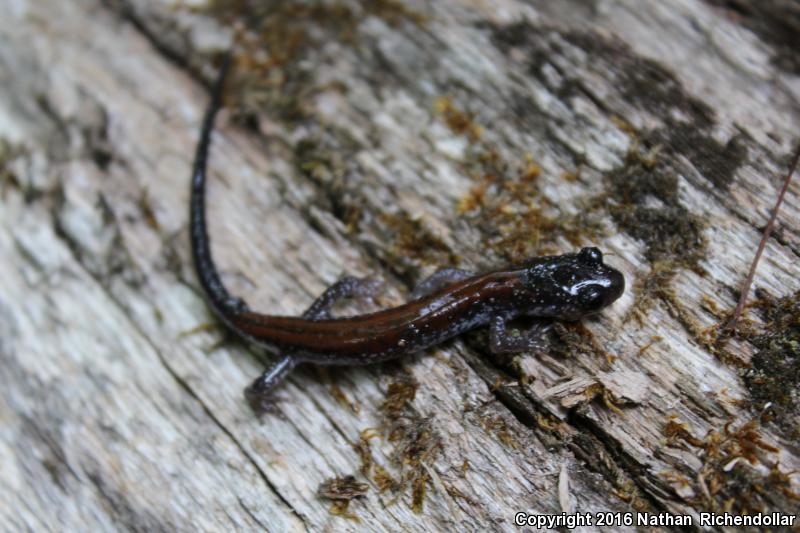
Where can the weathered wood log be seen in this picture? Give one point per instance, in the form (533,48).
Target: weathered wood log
(388,139)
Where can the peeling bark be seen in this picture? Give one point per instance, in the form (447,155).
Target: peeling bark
(389,139)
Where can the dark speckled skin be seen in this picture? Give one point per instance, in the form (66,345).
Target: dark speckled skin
(564,287)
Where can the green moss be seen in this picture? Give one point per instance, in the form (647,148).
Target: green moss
(644,203)
(774,377)
(655,90)
(667,232)
(716,162)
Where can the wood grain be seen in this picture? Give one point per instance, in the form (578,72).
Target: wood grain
(387,139)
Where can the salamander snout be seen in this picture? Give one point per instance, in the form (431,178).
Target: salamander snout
(611,285)
(597,285)
(617,286)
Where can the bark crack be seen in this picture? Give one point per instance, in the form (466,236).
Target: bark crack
(73,247)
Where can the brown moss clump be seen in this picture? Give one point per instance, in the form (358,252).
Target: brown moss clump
(416,444)
(275,36)
(9,152)
(412,239)
(498,425)
(342,490)
(506,205)
(459,122)
(739,473)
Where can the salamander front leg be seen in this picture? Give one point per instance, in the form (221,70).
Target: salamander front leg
(438,280)
(503,342)
(259,393)
(346,287)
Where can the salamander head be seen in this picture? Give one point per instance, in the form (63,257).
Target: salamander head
(571,286)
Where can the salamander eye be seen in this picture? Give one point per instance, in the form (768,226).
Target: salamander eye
(591,256)
(592,299)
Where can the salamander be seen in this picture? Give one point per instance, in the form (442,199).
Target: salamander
(450,302)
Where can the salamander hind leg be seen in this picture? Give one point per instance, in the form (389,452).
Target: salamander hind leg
(503,342)
(438,280)
(259,393)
